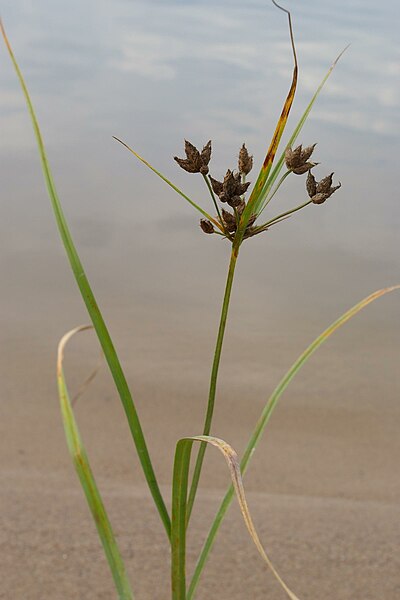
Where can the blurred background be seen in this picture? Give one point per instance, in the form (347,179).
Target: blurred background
(155,73)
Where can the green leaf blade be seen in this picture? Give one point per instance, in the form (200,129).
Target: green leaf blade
(93,308)
(269,182)
(254,200)
(264,419)
(87,480)
(181,470)
(178,518)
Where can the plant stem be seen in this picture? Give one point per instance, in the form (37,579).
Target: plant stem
(213,379)
(282,215)
(213,199)
(288,212)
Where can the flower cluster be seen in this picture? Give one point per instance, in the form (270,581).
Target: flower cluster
(231,191)
(297,162)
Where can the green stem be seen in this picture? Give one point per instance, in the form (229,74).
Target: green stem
(94,312)
(282,216)
(213,379)
(213,199)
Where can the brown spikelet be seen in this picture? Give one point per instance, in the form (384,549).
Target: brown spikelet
(206,226)
(322,190)
(245,162)
(194,161)
(297,159)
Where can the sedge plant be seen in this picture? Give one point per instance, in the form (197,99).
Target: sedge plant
(236,218)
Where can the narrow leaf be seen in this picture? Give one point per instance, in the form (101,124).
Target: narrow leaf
(278,167)
(263,421)
(88,483)
(280,127)
(174,187)
(93,308)
(179,495)
(178,518)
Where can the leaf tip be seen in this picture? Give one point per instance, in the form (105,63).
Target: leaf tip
(3,33)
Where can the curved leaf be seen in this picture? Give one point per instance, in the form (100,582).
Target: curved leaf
(264,418)
(179,504)
(88,483)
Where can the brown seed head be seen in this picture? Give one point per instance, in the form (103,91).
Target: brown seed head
(206,226)
(306,152)
(194,161)
(245,163)
(229,184)
(240,207)
(217,186)
(229,220)
(297,159)
(320,191)
(319,198)
(206,153)
(241,188)
(311,184)
(235,201)
(325,184)
(231,189)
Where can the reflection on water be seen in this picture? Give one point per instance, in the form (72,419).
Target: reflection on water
(157,72)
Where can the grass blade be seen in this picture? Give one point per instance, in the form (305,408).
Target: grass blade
(278,167)
(179,517)
(254,202)
(93,309)
(264,418)
(179,494)
(88,483)
(174,187)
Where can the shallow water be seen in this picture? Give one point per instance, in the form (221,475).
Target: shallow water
(154,73)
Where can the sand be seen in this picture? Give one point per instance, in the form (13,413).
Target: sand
(323,488)
(325,547)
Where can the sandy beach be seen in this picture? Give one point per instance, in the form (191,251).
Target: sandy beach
(323,487)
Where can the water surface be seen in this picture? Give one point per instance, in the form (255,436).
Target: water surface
(155,73)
